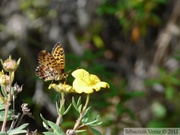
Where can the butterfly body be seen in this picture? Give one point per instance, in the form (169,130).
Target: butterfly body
(51,64)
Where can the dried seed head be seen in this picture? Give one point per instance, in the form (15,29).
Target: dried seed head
(17,88)
(26,110)
(32,132)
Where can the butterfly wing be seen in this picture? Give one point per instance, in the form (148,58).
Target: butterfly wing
(48,69)
(51,65)
(58,54)
(45,58)
(45,73)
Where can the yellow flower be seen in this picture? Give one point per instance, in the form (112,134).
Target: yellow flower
(87,83)
(61,87)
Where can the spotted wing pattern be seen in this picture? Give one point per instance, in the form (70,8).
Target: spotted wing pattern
(45,73)
(58,54)
(51,65)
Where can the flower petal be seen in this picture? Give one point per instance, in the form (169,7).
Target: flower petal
(94,78)
(80,73)
(104,84)
(78,85)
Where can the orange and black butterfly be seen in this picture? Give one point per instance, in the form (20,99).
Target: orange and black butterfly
(51,64)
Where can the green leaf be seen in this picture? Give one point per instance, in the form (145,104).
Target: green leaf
(95,122)
(170,92)
(18,130)
(87,112)
(2,105)
(3,133)
(78,105)
(84,120)
(3,92)
(79,101)
(95,131)
(10,112)
(49,133)
(61,110)
(45,122)
(74,104)
(57,107)
(67,110)
(91,123)
(98,122)
(56,128)
(79,108)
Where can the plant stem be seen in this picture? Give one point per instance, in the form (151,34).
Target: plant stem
(14,122)
(6,113)
(20,119)
(58,119)
(76,126)
(61,104)
(87,101)
(8,102)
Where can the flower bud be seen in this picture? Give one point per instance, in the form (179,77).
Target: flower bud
(10,65)
(4,80)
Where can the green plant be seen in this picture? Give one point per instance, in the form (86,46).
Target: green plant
(8,95)
(166,107)
(83,83)
(133,15)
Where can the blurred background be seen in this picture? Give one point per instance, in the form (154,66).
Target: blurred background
(134,45)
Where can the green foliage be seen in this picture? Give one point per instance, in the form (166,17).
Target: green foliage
(34,9)
(165,108)
(143,13)
(89,59)
(169,81)
(78,105)
(122,95)
(133,12)
(2,112)
(85,118)
(55,129)
(8,94)
(18,130)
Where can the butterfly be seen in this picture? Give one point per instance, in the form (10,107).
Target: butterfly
(51,64)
